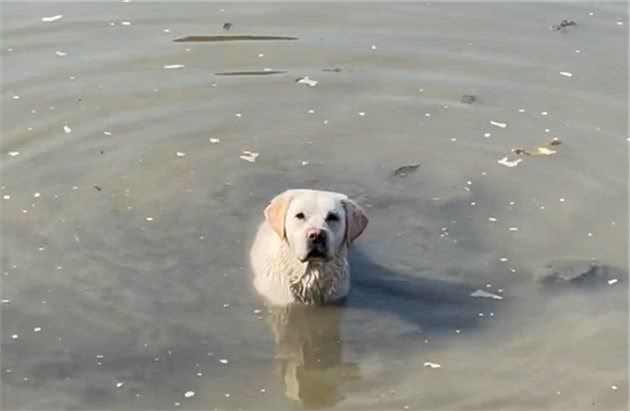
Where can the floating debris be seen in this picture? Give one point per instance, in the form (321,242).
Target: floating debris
(232,38)
(67,129)
(492,219)
(189,394)
(250,73)
(485,294)
(566,74)
(173,66)
(149,218)
(498,124)
(224,361)
(403,171)
(509,163)
(61,53)
(119,384)
(304,163)
(432,365)
(503,259)
(15,337)
(469,99)
(125,23)
(249,156)
(6,197)
(555,142)
(613,281)
(227,26)
(373,47)
(563,25)
(13,153)
(180,154)
(214,140)
(513,229)
(306,80)
(613,387)
(5,301)
(546,151)
(37,329)
(52,18)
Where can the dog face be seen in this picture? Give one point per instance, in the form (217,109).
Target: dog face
(315,224)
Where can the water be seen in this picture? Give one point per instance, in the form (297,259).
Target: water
(130,259)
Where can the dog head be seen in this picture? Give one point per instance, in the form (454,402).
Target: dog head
(315,224)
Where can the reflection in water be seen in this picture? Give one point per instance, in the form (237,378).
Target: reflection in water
(309,354)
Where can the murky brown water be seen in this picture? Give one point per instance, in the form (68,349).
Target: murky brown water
(125,228)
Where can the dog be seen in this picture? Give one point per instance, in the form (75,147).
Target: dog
(300,251)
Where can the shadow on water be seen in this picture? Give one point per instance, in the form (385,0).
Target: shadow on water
(309,342)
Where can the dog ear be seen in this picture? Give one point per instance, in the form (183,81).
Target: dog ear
(276,211)
(356,220)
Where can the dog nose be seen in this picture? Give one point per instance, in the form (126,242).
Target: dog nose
(316,235)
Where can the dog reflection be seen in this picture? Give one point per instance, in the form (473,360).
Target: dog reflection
(309,353)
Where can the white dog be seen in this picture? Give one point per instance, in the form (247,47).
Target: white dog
(299,254)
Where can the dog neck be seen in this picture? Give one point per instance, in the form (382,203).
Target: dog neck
(317,282)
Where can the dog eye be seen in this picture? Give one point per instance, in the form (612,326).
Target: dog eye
(332,217)
(300,216)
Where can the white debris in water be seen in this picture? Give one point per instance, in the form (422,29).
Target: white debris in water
(226,305)
(578,51)
(249,156)
(166,30)
(25,211)
(214,140)
(432,365)
(199,374)
(311,111)
(100,356)
(547,130)
(177,404)
(125,23)
(546,151)
(16,97)
(362,113)
(613,281)
(613,387)
(107,133)
(566,74)
(67,129)
(37,329)
(6,197)
(173,66)
(61,53)
(620,23)
(487,135)
(427,114)
(492,219)
(485,294)
(453,140)
(513,229)
(498,124)
(15,336)
(373,47)
(149,218)
(226,395)
(180,154)
(239,115)
(544,113)
(589,234)
(309,82)
(50,19)
(521,110)
(189,394)
(562,200)
(262,390)
(503,259)
(261,55)
(507,163)
(14,153)
(5,301)
(257,311)
(304,163)
(223,361)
